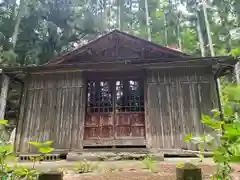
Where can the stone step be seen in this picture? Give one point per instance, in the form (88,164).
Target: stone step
(112,156)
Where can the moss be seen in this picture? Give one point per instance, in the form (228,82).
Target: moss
(188,166)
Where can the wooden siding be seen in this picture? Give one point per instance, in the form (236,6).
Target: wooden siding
(53,108)
(175,101)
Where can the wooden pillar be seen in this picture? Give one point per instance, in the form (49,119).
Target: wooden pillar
(3,101)
(3,97)
(237,71)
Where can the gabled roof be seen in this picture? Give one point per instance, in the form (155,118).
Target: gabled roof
(121,51)
(122,44)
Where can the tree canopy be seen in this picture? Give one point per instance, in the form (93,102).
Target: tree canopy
(33,31)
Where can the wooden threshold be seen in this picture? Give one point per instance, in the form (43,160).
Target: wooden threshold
(115,142)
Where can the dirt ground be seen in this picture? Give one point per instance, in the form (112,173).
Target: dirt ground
(166,172)
(132,170)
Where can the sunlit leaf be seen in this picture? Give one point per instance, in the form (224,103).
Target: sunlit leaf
(236,52)
(34,143)
(218,157)
(209,138)
(228,111)
(46,150)
(197,140)
(4,122)
(47,143)
(188,138)
(206,119)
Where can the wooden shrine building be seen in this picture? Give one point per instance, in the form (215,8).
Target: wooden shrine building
(117,91)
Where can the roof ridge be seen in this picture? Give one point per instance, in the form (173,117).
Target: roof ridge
(153,45)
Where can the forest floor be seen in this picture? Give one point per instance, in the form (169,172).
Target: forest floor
(131,170)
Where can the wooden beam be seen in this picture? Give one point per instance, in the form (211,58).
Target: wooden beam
(3,97)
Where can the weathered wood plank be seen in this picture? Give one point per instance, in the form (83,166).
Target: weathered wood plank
(20,121)
(5,80)
(3,97)
(147,118)
(54,110)
(175,101)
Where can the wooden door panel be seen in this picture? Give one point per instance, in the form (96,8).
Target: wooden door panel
(123,119)
(130,124)
(106,119)
(91,120)
(138,131)
(107,132)
(123,131)
(91,133)
(99,125)
(137,119)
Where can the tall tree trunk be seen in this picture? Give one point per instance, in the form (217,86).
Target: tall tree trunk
(200,36)
(119,15)
(179,34)
(178,26)
(165,30)
(147,20)
(210,43)
(224,17)
(17,23)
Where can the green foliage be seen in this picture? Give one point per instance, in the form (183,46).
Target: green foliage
(226,140)
(6,152)
(22,172)
(43,147)
(84,167)
(7,155)
(187,166)
(150,164)
(236,52)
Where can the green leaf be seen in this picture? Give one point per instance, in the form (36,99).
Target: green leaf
(206,119)
(216,113)
(228,111)
(235,159)
(236,52)
(214,124)
(4,122)
(47,143)
(197,140)
(46,150)
(188,138)
(34,143)
(232,133)
(218,156)
(6,148)
(209,138)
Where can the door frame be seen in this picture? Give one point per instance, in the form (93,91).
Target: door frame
(115,141)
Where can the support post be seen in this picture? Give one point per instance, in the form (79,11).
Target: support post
(3,97)
(3,102)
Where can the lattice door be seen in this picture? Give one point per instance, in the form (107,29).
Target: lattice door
(99,119)
(115,113)
(129,114)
